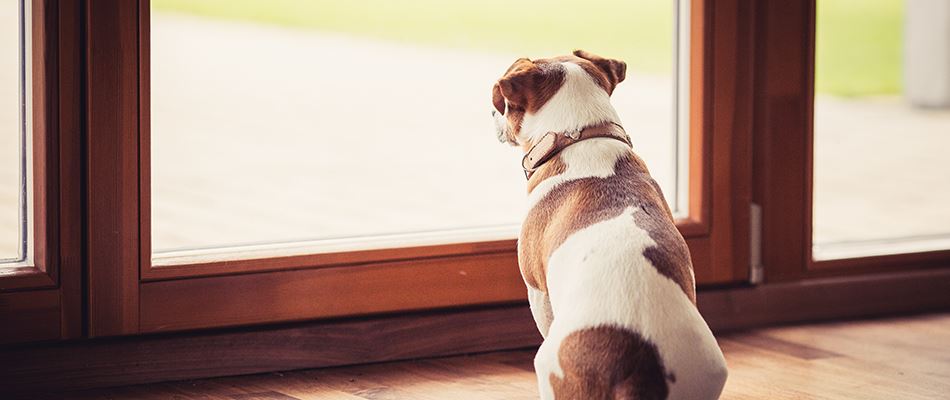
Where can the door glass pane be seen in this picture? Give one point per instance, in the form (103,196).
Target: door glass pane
(338,122)
(882,127)
(13,128)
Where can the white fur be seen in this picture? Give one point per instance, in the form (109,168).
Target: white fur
(501,126)
(589,158)
(540,309)
(580,102)
(600,276)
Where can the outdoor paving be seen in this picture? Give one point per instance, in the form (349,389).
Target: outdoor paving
(271,134)
(266,134)
(881,172)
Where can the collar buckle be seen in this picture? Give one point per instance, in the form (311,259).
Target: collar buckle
(553,142)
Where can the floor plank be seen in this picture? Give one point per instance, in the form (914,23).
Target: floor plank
(900,358)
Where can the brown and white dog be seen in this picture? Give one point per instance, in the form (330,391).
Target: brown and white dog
(609,277)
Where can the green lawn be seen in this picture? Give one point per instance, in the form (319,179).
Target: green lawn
(858,40)
(638,31)
(859,46)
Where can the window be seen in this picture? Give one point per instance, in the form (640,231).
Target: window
(14,133)
(281,128)
(120,118)
(882,127)
(158,122)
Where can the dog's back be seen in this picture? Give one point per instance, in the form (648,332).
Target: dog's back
(618,273)
(609,276)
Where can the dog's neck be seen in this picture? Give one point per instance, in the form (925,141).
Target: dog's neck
(579,103)
(552,143)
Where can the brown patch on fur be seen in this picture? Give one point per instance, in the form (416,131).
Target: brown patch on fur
(528,84)
(577,204)
(613,71)
(598,75)
(668,255)
(529,248)
(526,87)
(614,68)
(607,362)
(554,166)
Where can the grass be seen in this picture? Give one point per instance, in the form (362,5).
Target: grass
(859,45)
(637,31)
(858,53)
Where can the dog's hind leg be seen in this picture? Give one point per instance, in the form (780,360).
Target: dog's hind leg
(540,309)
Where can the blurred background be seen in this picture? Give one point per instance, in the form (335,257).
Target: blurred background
(297,120)
(322,128)
(882,124)
(11,132)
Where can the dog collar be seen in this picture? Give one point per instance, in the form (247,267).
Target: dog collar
(553,143)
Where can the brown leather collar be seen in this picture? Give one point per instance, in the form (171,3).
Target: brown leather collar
(554,142)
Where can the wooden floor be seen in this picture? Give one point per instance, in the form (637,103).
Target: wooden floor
(905,358)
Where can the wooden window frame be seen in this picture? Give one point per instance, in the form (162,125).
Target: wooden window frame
(128,295)
(42,300)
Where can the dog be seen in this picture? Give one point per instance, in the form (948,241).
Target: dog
(609,277)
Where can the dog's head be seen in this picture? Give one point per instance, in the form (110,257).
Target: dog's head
(529,85)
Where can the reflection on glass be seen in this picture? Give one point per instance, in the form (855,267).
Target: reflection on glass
(11,133)
(882,127)
(295,120)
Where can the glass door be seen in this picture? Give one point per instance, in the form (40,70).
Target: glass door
(15,139)
(852,119)
(882,127)
(300,127)
(299,160)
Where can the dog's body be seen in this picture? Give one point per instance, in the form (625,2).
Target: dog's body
(609,277)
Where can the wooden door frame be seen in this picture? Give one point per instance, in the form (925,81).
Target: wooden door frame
(43,300)
(129,295)
(112,173)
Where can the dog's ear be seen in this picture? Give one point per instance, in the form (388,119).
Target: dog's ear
(518,84)
(614,70)
(498,99)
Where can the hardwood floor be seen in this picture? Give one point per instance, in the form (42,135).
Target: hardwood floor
(901,358)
